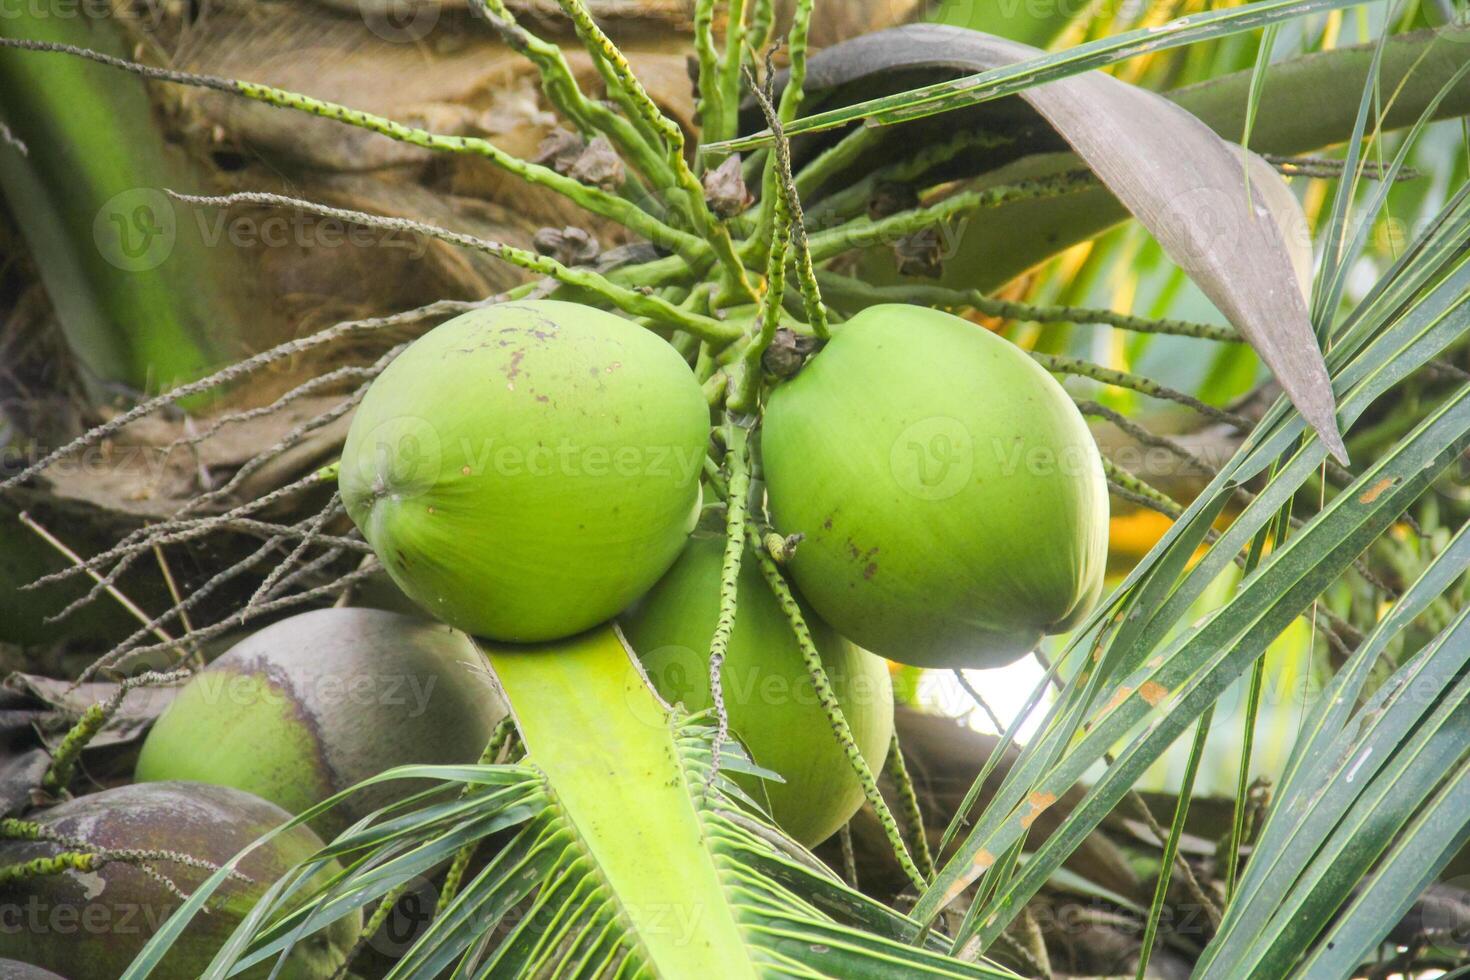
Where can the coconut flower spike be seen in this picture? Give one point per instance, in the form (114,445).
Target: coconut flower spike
(562,90)
(93,720)
(738,492)
(790,224)
(601,46)
(840,728)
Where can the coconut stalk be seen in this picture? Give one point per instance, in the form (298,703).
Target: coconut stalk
(142,299)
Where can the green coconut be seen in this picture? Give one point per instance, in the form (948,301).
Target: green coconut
(313,704)
(526,471)
(952,499)
(771,702)
(91,925)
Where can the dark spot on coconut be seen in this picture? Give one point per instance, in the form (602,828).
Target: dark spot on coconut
(513,369)
(870,570)
(827,524)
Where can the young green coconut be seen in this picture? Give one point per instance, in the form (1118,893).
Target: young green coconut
(313,704)
(527,470)
(772,705)
(952,500)
(90,923)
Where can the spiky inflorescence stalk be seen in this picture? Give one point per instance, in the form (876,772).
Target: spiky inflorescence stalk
(1133,382)
(55,864)
(790,225)
(791,99)
(672,136)
(903,784)
(563,92)
(245,615)
(865,232)
(69,752)
(371,926)
(243,369)
(737,469)
(499,740)
(828,699)
(924,294)
(1130,487)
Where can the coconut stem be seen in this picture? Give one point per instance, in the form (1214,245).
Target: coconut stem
(898,771)
(730,67)
(623,84)
(853,199)
(737,468)
(828,698)
(709,106)
(562,90)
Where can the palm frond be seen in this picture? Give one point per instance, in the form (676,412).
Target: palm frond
(628,854)
(998,82)
(1148,681)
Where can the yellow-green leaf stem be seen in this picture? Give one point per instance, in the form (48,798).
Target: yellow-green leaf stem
(619,782)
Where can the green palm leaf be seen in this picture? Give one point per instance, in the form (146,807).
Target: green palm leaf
(983,86)
(1149,684)
(629,856)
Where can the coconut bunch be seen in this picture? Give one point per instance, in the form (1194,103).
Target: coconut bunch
(908,486)
(534,470)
